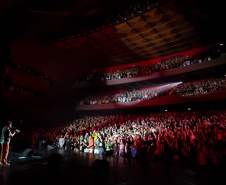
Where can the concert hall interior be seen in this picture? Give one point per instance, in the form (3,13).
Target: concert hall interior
(112,92)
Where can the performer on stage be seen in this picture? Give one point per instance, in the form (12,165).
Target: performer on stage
(5,140)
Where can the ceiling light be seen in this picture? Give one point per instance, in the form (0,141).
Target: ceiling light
(221,44)
(189,108)
(166,110)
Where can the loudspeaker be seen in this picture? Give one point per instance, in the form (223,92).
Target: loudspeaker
(100,165)
(54,159)
(27,152)
(50,147)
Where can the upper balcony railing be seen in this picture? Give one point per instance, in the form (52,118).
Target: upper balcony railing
(157,75)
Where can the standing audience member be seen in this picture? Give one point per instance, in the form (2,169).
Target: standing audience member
(91,144)
(61,142)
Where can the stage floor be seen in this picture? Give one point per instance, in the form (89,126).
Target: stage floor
(76,168)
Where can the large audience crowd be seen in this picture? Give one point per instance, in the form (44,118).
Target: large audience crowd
(195,138)
(170,90)
(171,63)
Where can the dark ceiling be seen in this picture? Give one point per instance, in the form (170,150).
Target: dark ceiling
(38,19)
(161,29)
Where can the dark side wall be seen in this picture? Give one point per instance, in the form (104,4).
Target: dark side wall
(58,103)
(5,46)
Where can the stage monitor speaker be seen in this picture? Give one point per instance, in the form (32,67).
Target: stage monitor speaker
(50,147)
(27,152)
(100,166)
(54,159)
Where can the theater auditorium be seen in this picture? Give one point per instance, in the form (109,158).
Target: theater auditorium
(123,92)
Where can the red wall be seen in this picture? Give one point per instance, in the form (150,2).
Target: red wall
(59,101)
(24,79)
(57,68)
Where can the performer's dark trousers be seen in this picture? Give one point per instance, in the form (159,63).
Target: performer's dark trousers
(4,152)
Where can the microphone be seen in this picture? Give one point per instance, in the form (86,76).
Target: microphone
(13,129)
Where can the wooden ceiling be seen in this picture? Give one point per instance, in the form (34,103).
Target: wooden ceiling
(164,30)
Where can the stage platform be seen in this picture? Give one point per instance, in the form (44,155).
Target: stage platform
(77,168)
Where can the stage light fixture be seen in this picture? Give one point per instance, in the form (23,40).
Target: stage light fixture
(21,157)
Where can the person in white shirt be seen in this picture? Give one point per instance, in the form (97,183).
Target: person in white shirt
(61,142)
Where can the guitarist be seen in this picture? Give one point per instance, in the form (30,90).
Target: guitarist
(5,140)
